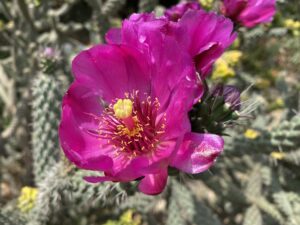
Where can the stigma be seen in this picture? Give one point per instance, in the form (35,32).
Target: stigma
(123,111)
(123,108)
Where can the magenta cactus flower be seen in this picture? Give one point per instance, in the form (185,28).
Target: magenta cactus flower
(204,35)
(249,13)
(177,11)
(126,113)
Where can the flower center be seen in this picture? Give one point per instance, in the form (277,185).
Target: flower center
(132,125)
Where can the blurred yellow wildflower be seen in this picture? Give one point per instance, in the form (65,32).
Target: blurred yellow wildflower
(232,57)
(277,104)
(262,83)
(293,25)
(251,134)
(222,70)
(224,65)
(27,198)
(1,24)
(10,25)
(127,218)
(207,4)
(278,155)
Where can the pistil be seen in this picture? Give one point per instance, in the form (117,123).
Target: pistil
(123,111)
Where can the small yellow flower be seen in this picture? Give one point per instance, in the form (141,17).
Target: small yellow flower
(293,25)
(296,33)
(278,155)
(224,65)
(222,70)
(279,102)
(27,198)
(232,57)
(126,218)
(251,134)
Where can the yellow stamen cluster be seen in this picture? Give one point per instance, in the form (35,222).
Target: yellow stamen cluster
(123,130)
(123,108)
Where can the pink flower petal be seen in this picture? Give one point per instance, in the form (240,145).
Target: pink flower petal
(113,36)
(112,70)
(80,147)
(153,184)
(204,33)
(154,162)
(249,12)
(180,103)
(257,14)
(176,12)
(95,179)
(168,68)
(198,152)
(232,8)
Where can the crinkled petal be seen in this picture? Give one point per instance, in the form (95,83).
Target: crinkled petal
(143,30)
(233,8)
(205,34)
(153,184)
(259,13)
(249,12)
(169,70)
(182,98)
(113,36)
(78,130)
(197,152)
(112,70)
(172,71)
(126,169)
(177,11)
(206,58)
(153,162)
(153,36)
